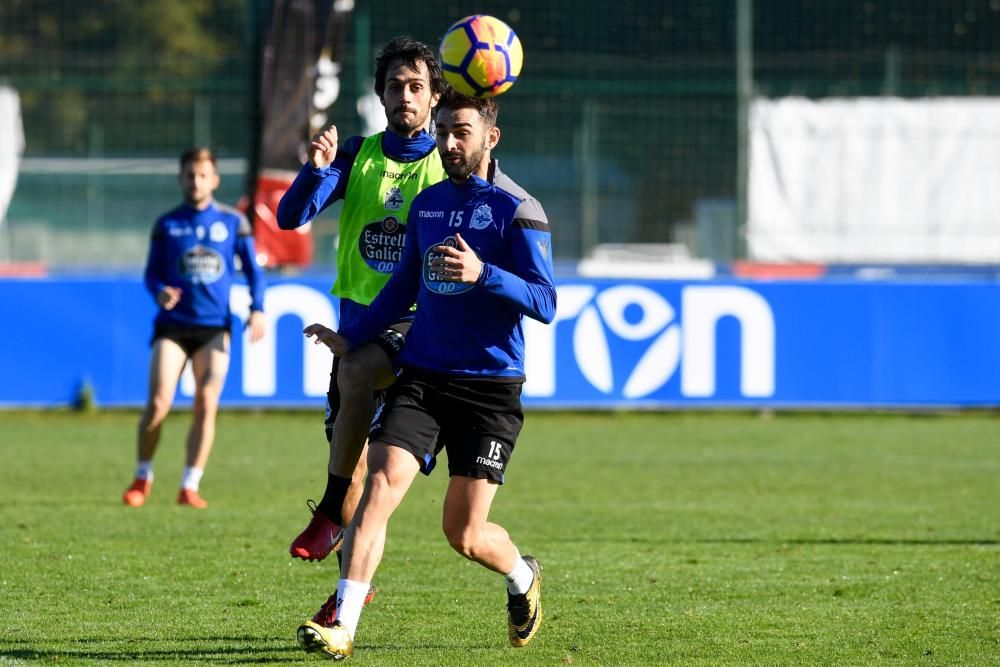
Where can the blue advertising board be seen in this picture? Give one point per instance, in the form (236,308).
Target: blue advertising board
(614,344)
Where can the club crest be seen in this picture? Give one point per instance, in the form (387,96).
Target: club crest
(393,199)
(482,217)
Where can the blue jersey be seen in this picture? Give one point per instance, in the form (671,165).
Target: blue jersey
(471,330)
(194,250)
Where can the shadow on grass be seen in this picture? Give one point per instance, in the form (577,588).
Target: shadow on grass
(229,655)
(831,541)
(858,541)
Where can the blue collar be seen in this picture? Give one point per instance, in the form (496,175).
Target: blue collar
(407,149)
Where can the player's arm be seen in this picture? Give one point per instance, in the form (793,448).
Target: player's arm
(529,286)
(246,249)
(389,306)
(155,276)
(316,187)
(378,317)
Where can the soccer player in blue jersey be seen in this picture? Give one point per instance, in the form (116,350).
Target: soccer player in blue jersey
(189,272)
(377,178)
(477,259)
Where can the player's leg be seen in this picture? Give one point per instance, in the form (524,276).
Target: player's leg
(391,472)
(210,364)
(413,431)
(362,372)
(466,508)
(350,505)
(370,369)
(353,497)
(165,366)
(374,367)
(480,444)
(357,376)
(480,429)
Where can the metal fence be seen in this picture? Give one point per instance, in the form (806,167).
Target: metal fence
(625,122)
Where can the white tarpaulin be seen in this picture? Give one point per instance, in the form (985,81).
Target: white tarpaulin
(875,180)
(11,145)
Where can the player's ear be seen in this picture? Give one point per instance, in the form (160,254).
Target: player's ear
(435,98)
(493,138)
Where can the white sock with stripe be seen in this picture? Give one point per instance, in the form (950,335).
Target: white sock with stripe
(144,470)
(350,602)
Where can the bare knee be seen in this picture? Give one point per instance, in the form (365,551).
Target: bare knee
(155,413)
(381,497)
(378,487)
(463,538)
(355,376)
(205,405)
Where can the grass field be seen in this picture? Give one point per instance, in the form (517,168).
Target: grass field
(687,539)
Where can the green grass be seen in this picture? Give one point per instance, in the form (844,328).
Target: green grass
(688,539)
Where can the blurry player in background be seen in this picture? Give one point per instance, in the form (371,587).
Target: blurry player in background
(189,273)
(377,177)
(477,259)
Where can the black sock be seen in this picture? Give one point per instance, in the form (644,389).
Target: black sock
(333,499)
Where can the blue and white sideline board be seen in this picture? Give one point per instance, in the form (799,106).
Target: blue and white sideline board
(616,343)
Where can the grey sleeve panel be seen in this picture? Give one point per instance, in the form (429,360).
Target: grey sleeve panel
(529,210)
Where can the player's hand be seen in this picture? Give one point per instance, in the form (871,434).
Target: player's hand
(323,148)
(457,265)
(333,340)
(256,324)
(169,297)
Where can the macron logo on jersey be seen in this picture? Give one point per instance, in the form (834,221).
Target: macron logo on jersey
(431,214)
(398,175)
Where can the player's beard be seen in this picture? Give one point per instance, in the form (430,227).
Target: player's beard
(197,199)
(460,170)
(404,127)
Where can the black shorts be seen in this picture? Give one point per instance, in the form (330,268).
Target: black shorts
(392,341)
(191,339)
(475,420)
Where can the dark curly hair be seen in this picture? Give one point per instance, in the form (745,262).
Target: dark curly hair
(410,52)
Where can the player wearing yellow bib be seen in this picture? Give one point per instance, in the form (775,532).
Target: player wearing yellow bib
(377,178)
(372,230)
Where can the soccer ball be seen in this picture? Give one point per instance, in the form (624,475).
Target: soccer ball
(481,56)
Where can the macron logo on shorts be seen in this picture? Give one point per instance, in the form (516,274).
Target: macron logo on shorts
(492,460)
(487,462)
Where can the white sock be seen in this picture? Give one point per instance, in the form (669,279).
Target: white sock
(144,470)
(519,580)
(192,478)
(350,602)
